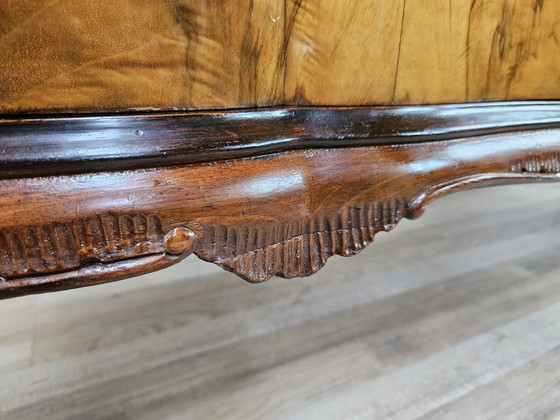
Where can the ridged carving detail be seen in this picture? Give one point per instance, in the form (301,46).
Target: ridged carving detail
(66,246)
(545,164)
(300,247)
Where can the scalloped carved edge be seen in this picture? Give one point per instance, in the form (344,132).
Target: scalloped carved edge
(547,163)
(107,247)
(345,233)
(99,249)
(67,246)
(227,213)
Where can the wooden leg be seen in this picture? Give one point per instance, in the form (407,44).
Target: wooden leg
(281,213)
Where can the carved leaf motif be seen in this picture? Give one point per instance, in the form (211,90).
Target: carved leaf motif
(548,163)
(67,246)
(300,250)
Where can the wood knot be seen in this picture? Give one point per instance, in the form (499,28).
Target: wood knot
(180,241)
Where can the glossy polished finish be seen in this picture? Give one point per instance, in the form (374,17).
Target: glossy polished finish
(105,55)
(110,168)
(64,145)
(280,214)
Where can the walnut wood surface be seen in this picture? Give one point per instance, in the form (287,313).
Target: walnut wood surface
(102,55)
(281,213)
(113,55)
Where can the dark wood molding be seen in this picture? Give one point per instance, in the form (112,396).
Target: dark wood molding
(276,203)
(50,145)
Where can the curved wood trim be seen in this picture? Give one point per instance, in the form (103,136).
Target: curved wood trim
(88,275)
(283,213)
(39,146)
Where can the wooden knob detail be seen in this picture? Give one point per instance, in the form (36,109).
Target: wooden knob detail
(180,241)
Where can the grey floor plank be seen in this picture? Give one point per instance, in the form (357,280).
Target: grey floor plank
(452,316)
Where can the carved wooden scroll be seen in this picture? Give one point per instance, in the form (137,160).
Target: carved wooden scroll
(281,204)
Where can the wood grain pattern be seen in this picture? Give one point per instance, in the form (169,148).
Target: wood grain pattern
(426,51)
(106,55)
(278,212)
(102,56)
(433,49)
(516,56)
(341,53)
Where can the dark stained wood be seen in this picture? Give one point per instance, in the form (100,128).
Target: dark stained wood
(279,213)
(39,146)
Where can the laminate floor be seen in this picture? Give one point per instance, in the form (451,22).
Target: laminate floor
(453,316)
